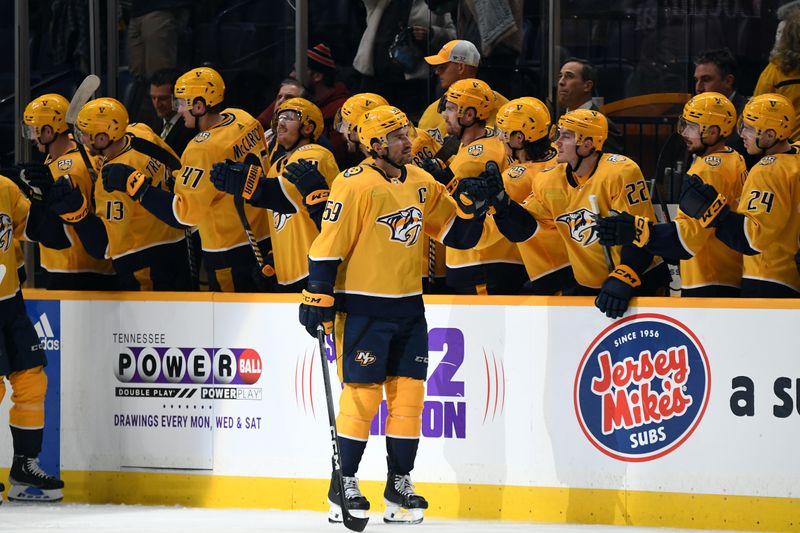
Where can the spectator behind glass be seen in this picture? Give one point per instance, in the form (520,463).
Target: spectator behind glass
(329,95)
(782,74)
(172,129)
(715,71)
(577,81)
(403,82)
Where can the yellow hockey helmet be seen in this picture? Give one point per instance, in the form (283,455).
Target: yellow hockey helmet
(769,112)
(377,123)
(706,110)
(47,110)
(471,93)
(103,115)
(307,112)
(202,82)
(586,124)
(527,115)
(353,108)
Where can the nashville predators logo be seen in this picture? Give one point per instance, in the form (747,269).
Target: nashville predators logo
(406,225)
(582,225)
(365,357)
(6,232)
(279,220)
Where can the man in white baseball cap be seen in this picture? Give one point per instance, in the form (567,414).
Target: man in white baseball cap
(457,60)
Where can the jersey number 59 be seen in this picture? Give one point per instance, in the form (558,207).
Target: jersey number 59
(332,211)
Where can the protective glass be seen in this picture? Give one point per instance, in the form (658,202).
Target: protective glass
(180,105)
(687,128)
(744,129)
(340,124)
(82,137)
(563,135)
(288,115)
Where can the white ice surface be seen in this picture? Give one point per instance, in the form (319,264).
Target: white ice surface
(146,519)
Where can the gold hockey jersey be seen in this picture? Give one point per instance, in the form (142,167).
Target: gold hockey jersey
(74,259)
(14,209)
(770,203)
(130,227)
(292,234)
(561,200)
(713,263)
(433,123)
(374,225)
(423,147)
(198,203)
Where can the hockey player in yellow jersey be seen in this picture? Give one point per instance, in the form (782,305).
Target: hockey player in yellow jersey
(44,123)
(365,265)
(147,254)
(22,358)
(298,125)
(766,224)
(348,116)
(708,267)
(561,196)
(497,269)
(223,133)
(524,125)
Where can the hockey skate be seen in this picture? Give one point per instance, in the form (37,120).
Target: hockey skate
(403,505)
(357,504)
(29,483)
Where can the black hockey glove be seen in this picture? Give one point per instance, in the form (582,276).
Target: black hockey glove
(472,197)
(238,179)
(702,201)
(441,173)
(37,179)
(67,201)
(305,176)
(124,178)
(499,200)
(317,307)
(623,229)
(617,290)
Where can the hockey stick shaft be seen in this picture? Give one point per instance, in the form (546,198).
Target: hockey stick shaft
(350,522)
(82,95)
(606,250)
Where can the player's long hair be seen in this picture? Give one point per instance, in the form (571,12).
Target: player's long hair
(539,149)
(786,54)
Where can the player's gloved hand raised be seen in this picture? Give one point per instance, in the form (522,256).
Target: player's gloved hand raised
(499,199)
(37,179)
(317,307)
(311,184)
(67,201)
(622,229)
(124,178)
(472,197)
(441,173)
(702,201)
(238,179)
(617,290)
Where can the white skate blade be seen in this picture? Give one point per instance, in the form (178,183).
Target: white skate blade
(395,514)
(24,493)
(335,513)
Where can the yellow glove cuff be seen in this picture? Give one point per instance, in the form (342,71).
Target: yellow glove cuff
(135,182)
(317,300)
(713,210)
(250,181)
(642,225)
(77,215)
(627,275)
(318,197)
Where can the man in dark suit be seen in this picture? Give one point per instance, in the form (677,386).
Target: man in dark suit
(715,71)
(172,130)
(577,81)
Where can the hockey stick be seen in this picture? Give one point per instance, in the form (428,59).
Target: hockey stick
(238,202)
(350,522)
(82,95)
(606,250)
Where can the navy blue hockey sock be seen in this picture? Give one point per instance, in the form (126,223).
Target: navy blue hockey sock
(401,454)
(350,452)
(27,442)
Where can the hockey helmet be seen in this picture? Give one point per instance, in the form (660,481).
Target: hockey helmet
(202,82)
(377,123)
(307,113)
(353,108)
(527,115)
(470,93)
(47,110)
(706,110)
(769,112)
(586,124)
(103,115)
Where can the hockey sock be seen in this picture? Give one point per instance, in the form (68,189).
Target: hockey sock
(401,454)
(350,452)
(27,442)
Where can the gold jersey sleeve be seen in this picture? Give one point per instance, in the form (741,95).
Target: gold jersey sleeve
(14,208)
(561,200)
(130,227)
(198,203)
(712,262)
(370,218)
(432,122)
(770,204)
(470,161)
(143,131)
(292,234)
(425,146)
(75,258)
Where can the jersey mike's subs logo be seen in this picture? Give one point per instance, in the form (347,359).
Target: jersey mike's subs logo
(642,387)
(405,225)
(582,225)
